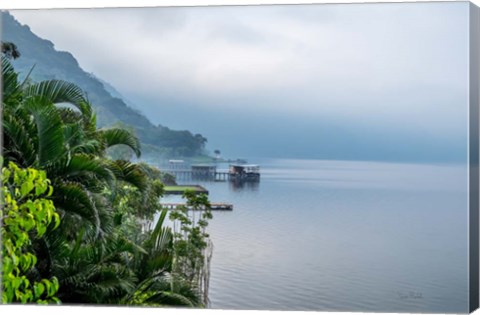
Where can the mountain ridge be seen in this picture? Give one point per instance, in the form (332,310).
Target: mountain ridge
(49,63)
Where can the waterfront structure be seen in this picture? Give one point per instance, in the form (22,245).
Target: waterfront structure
(176,164)
(204,171)
(244,172)
(181,189)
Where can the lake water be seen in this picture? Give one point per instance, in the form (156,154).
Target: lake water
(343,236)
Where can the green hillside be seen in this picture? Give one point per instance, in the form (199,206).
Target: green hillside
(111,109)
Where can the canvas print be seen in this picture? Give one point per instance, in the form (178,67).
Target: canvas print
(315,157)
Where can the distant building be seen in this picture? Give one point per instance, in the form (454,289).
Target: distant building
(244,172)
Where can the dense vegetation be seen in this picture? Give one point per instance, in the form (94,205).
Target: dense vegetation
(50,64)
(76,222)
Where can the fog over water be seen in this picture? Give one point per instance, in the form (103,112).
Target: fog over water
(351,82)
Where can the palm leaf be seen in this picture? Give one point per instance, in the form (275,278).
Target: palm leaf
(58,91)
(49,129)
(18,144)
(158,245)
(90,146)
(69,115)
(80,165)
(79,142)
(115,136)
(10,88)
(161,235)
(72,133)
(169,298)
(75,199)
(92,282)
(120,245)
(130,173)
(111,278)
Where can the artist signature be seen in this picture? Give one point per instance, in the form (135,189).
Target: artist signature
(410,295)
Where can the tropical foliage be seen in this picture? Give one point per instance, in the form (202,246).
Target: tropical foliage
(26,214)
(79,221)
(191,244)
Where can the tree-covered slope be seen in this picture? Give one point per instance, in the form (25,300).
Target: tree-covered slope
(48,63)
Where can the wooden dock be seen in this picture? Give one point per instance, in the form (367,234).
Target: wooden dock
(188,174)
(181,189)
(213,206)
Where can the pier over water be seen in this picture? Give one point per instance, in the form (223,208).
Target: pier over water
(190,174)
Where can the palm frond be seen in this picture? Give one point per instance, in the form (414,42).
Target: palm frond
(158,245)
(129,172)
(169,298)
(80,165)
(165,290)
(79,142)
(115,136)
(11,88)
(75,199)
(18,145)
(112,278)
(160,237)
(92,282)
(58,91)
(165,296)
(118,246)
(49,129)
(90,146)
(72,133)
(69,115)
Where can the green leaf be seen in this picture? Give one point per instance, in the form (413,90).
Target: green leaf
(38,289)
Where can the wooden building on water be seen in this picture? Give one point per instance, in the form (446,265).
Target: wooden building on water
(244,172)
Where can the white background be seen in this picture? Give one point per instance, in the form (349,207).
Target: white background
(74,310)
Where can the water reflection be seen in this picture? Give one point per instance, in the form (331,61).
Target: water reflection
(244,185)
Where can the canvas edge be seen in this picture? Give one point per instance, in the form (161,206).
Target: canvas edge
(1,158)
(473,156)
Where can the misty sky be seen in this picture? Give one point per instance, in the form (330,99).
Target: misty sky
(363,81)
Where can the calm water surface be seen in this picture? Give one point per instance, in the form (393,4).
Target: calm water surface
(348,236)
